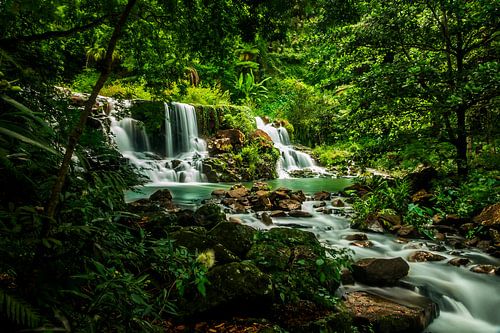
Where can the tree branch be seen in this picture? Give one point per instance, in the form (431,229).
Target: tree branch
(52,34)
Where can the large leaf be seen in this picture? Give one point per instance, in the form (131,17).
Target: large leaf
(25,139)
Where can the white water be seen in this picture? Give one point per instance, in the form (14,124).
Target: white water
(184,150)
(291,159)
(469,302)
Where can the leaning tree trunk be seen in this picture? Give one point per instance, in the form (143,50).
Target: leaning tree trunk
(80,126)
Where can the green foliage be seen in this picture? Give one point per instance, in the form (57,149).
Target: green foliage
(18,311)
(468,197)
(248,89)
(204,96)
(241,119)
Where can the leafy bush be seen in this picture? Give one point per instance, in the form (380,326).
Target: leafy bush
(203,95)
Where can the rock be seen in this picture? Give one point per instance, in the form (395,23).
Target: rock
(277,213)
(266,219)
(238,238)
(234,219)
(373,224)
(199,242)
(483,269)
(209,216)
(338,203)
(218,146)
(421,197)
(260,186)
(389,219)
(238,192)
(379,271)
(298,195)
(459,262)
(321,196)
(235,136)
(219,193)
(295,236)
(454,220)
(299,213)
(489,216)
(494,235)
(358,189)
(270,256)
(484,245)
(289,204)
(365,243)
(318,205)
(234,288)
(357,237)
(422,256)
(143,206)
(346,277)
(261,134)
(388,316)
(304,316)
(163,198)
(407,231)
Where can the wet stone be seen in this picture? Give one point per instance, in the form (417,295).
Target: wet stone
(357,237)
(484,269)
(422,256)
(459,262)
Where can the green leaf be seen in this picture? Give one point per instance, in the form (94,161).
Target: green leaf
(25,139)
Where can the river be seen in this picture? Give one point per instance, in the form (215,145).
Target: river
(468,302)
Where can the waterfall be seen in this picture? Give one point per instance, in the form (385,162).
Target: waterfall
(291,159)
(183,151)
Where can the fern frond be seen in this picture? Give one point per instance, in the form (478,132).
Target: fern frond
(18,311)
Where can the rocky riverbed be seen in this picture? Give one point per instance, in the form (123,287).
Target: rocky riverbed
(271,272)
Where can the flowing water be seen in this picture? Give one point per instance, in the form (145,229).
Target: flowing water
(291,159)
(468,302)
(184,150)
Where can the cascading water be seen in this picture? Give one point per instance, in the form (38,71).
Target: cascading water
(291,159)
(184,150)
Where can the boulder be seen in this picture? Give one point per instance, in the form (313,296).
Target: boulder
(299,213)
(238,238)
(277,213)
(422,256)
(389,219)
(407,231)
(237,192)
(219,193)
(163,198)
(298,195)
(266,219)
(199,242)
(321,196)
(356,237)
(260,186)
(385,315)
(270,256)
(365,243)
(219,146)
(262,135)
(483,269)
(338,203)
(209,216)
(459,262)
(288,205)
(234,288)
(294,236)
(380,271)
(235,136)
(320,204)
(489,216)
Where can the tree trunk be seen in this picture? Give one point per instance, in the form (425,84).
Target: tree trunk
(461,143)
(79,128)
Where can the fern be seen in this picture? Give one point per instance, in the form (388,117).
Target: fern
(18,311)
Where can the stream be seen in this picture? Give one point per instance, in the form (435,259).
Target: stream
(468,302)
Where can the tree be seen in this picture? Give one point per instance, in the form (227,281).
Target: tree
(424,66)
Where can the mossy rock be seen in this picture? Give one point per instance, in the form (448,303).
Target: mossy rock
(198,241)
(293,237)
(270,256)
(235,288)
(238,238)
(209,216)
